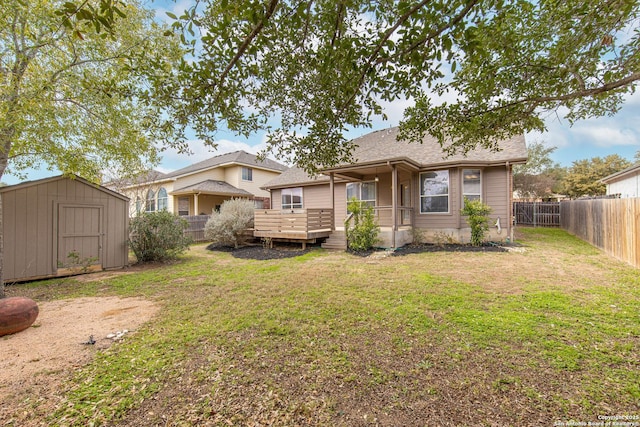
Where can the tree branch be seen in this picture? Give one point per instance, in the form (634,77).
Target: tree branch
(583,93)
(433,34)
(247,42)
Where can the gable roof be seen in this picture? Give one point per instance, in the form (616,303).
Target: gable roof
(25,184)
(381,147)
(236,157)
(211,186)
(624,173)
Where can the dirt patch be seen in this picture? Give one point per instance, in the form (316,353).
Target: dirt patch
(35,361)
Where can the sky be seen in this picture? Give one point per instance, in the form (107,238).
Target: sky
(595,137)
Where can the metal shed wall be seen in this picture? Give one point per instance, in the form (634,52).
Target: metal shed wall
(30,225)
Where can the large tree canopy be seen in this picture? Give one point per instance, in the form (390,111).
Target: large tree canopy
(305,71)
(583,177)
(74,89)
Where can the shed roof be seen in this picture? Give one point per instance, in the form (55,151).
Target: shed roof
(61,177)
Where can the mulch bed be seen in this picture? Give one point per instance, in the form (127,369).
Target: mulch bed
(285,250)
(259,252)
(451,247)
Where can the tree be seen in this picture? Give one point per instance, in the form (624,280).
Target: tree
(540,176)
(306,71)
(583,177)
(75,91)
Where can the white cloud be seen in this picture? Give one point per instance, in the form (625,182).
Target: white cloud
(172,159)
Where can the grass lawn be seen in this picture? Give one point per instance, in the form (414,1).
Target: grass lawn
(546,336)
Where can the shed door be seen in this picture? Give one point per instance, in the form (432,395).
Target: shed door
(79,237)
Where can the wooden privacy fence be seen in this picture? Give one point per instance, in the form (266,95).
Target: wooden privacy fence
(196,226)
(609,224)
(537,214)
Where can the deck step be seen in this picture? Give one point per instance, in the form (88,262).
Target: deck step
(337,240)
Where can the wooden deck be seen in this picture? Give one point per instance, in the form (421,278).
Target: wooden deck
(300,225)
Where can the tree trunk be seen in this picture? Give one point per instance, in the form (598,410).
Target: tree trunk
(5,145)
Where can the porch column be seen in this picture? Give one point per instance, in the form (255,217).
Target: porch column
(195,203)
(394,204)
(333,200)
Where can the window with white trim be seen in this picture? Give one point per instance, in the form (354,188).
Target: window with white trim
(163,199)
(247,174)
(291,198)
(434,192)
(471,184)
(151,201)
(365,192)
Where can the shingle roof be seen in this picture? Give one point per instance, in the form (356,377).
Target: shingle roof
(213,187)
(295,176)
(237,157)
(382,146)
(630,171)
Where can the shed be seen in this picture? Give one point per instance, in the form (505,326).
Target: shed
(62,226)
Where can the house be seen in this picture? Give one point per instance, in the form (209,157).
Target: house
(200,188)
(60,226)
(415,189)
(624,184)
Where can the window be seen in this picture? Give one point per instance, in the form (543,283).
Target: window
(434,192)
(247,174)
(291,198)
(183,206)
(151,201)
(163,200)
(471,188)
(138,205)
(363,191)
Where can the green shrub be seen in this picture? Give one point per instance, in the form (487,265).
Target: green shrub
(478,219)
(158,236)
(229,226)
(361,229)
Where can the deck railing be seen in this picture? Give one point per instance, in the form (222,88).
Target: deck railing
(298,220)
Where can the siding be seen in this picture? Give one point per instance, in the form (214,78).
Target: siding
(495,193)
(31,232)
(315,197)
(217,174)
(450,220)
(259,178)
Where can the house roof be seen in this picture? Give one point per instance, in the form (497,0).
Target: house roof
(236,157)
(630,171)
(144,177)
(25,184)
(382,147)
(211,186)
(296,176)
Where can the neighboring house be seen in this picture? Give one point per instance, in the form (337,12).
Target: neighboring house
(60,226)
(624,184)
(415,189)
(201,188)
